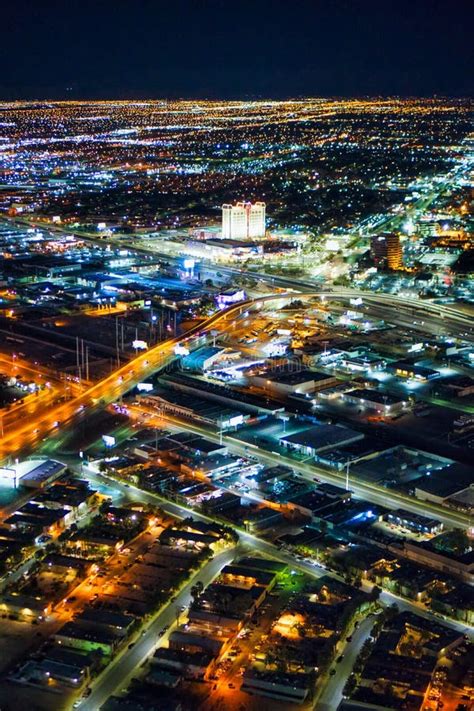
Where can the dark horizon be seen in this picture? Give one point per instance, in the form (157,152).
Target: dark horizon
(242,98)
(213,49)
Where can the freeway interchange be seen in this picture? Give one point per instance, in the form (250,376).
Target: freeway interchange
(28,434)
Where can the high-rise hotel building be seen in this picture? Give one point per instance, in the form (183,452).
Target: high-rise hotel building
(243,220)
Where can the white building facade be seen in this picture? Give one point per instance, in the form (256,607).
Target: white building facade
(243,220)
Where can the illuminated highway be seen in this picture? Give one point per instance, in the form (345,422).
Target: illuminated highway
(453,321)
(29,433)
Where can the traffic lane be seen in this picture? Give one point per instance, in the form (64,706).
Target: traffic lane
(389,598)
(118,673)
(361,489)
(143,365)
(331,696)
(109,388)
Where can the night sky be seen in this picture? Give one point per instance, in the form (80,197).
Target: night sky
(224,49)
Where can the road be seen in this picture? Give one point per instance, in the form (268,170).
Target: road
(114,680)
(331,696)
(30,433)
(255,543)
(310,470)
(119,672)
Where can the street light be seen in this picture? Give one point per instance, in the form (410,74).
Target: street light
(348,464)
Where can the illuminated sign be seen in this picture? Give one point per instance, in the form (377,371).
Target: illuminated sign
(140,345)
(145,387)
(181,350)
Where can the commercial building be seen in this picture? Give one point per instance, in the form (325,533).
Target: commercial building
(460,386)
(32,473)
(223,394)
(225,249)
(284,382)
(191,408)
(75,635)
(318,439)
(433,554)
(243,220)
(202,359)
(412,371)
(381,403)
(386,251)
(414,522)
(446,485)
(192,665)
(229,297)
(25,607)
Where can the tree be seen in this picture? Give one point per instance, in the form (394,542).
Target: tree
(104,507)
(375,593)
(197,590)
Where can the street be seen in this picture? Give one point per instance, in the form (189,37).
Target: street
(331,696)
(118,673)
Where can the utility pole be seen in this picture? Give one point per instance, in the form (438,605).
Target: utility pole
(77,359)
(117,342)
(87,363)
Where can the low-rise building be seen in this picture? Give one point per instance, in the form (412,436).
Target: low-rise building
(116,622)
(382,403)
(25,607)
(412,371)
(75,635)
(290,688)
(414,521)
(283,382)
(197,665)
(321,438)
(461,564)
